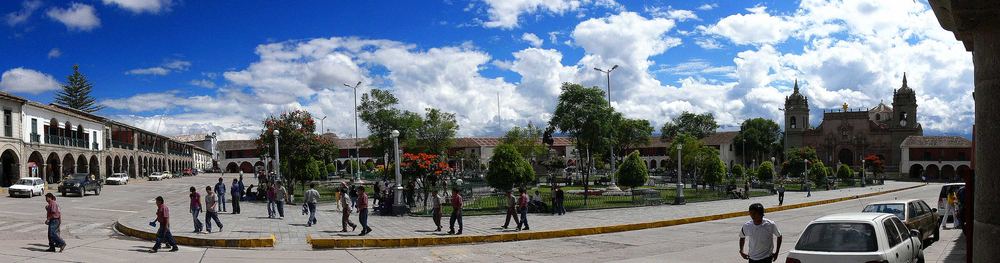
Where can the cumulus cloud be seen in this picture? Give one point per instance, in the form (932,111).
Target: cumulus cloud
(671,13)
(532,39)
(21,16)
(77,16)
(695,67)
(757,27)
(708,43)
(706,7)
(22,80)
(204,83)
(505,13)
(54,53)
(163,69)
(141,6)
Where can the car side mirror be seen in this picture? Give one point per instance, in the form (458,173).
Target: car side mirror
(916,233)
(933,210)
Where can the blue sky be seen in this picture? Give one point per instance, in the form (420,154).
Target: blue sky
(204,66)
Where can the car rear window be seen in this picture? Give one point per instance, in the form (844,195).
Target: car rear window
(895,209)
(838,237)
(945,190)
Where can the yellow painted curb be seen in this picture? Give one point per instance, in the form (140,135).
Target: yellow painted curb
(321,243)
(200,242)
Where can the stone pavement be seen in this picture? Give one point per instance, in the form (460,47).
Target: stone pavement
(291,231)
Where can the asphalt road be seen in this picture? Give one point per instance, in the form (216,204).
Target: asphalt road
(715,241)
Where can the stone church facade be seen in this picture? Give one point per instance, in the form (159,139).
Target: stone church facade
(846,135)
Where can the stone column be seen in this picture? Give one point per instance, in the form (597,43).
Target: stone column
(976,24)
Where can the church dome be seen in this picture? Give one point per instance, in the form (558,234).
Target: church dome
(796,100)
(904,89)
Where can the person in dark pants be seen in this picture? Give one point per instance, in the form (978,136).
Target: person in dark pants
(236,191)
(436,211)
(522,206)
(163,233)
(53,219)
(362,205)
(511,210)
(761,232)
(280,195)
(781,194)
(195,208)
(456,211)
(345,219)
(211,210)
(220,190)
(557,205)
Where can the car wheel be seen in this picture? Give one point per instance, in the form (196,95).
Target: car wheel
(937,234)
(97,191)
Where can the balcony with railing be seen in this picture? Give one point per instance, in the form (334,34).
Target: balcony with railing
(121,145)
(36,138)
(66,141)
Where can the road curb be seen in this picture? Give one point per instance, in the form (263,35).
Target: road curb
(325,243)
(200,242)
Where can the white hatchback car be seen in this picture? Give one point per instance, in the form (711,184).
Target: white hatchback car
(117,178)
(27,186)
(155,176)
(167,175)
(857,237)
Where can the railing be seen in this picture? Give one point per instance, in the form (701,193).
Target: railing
(36,137)
(121,145)
(65,141)
(96,146)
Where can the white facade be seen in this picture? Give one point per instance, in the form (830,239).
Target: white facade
(202,159)
(35,117)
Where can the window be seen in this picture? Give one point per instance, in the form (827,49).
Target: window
(793,122)
(892,234)
(838,237)
(927,155)
(34,126)
(914,213)
(878,117)
(8,123)
(895,209)
(904,231)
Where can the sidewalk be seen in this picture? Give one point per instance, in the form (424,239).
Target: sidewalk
(291,232)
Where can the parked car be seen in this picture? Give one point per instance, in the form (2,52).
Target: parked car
(80,183)
(187,172)
(915,213)
(27,186)
(857,237)
(943,197)
(167,175)
(117,178)
(155,176)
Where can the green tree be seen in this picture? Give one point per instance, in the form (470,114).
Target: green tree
(378,110)
(760,137)
(436,132)
(715,170)
(632,172)
(795,161)
(845,173)
(76,93)
(298,144)
(583,114)
(697,125)
(765,172)
(817,173)
(322,170)
(527,141)
(508,169)
(630,133)
(331,168)
(739,172)
(311,171)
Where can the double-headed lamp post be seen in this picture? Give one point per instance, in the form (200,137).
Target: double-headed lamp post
(679,199)
(398,206)
(277,159)
(607,73)
(357,150)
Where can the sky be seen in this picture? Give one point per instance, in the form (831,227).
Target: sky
(190,67)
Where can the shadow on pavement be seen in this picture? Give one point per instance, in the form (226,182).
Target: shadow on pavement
(957,251)
(37,247)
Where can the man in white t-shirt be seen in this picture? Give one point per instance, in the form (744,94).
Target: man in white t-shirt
(761,233)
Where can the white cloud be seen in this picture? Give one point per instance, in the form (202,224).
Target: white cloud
(22,80)
(141,6)
(54,53)
(27,8)
(671,13)
(708,43)
(505,13)
(706,7)
(77,16)
(203,83)
(757,27)
(532,39)
(163,69)
(695,67)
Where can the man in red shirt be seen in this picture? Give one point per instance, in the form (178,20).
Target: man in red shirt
(163,234)
(363,210)
(456,211)
(522,207)
(52,218)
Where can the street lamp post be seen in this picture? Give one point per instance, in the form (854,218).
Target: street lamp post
(862,172)
(398,208)
(277,159)
(357,172)
(773,175)
(322,125)
(679,199)
(612,187)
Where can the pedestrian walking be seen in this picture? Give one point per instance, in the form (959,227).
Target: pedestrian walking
(53,218)
(436,209)
(781,194)
(280,195)
(809,192)
(311,198)
(522,206)
(560,196)
(163,233)
(949,210)
(511,210)
(195,209)
(269,194)
(211,209)
(354,199)
(345,219)
(362,206)
(456,212)
(746,190)
(761,232)
(236,191)
(220,190)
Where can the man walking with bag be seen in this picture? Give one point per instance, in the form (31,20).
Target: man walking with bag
(311,199)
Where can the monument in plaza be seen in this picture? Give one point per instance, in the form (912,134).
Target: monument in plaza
(846,135)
